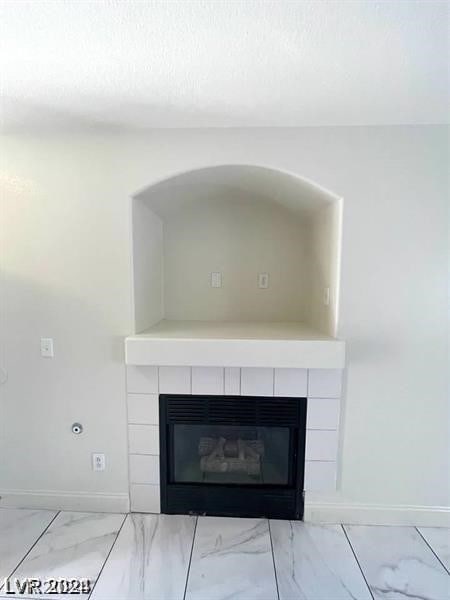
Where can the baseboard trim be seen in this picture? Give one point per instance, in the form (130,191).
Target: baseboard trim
(375,514)
(315,512)
(56,500)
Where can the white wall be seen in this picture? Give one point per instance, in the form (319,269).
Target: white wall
(67,274)
(147,239)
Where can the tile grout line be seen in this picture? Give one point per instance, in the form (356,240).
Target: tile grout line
(190,558)
(107,556)
(357,561)
(431,548)
(127,434)
(31,547)
(273,559)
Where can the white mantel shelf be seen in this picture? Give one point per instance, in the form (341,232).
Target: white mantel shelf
(249,344)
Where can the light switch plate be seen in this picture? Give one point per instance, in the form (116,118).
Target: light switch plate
(47,347)
(263,281)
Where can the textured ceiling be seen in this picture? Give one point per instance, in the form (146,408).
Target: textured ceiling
(119,65)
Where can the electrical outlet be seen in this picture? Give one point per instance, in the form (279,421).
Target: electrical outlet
(216,280)
(98,462)
(263,281)
(47,347)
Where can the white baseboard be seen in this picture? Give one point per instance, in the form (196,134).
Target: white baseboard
(375,514)
(56,500)
(315,512)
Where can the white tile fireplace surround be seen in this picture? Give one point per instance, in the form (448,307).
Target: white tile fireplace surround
(322,387)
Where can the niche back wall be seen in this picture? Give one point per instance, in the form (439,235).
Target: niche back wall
(239,239)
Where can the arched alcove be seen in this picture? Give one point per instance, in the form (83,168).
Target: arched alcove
(243,222)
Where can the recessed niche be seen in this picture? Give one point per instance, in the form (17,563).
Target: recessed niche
(274,239)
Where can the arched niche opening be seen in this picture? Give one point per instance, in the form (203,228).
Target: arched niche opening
(243,222)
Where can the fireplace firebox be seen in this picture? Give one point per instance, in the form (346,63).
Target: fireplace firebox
(232,455)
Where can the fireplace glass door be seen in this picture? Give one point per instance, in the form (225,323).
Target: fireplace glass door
(231,454)
(239,456)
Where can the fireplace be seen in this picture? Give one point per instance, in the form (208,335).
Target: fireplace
(232,455)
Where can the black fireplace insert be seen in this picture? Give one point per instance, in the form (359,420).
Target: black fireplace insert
(232,455)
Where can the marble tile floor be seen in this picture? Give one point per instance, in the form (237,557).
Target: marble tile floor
(162,557)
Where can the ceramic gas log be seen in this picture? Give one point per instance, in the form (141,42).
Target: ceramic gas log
(219,455)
